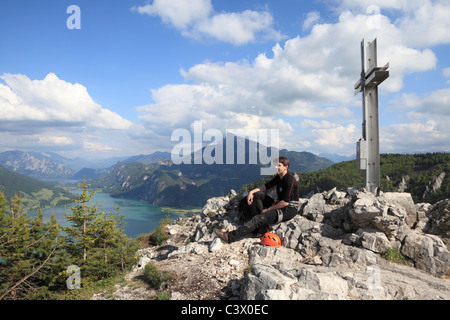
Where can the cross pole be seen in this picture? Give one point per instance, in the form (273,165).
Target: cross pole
(368,147)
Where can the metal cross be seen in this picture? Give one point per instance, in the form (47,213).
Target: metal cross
(368,147)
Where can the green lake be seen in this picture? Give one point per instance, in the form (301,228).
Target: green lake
(140,217)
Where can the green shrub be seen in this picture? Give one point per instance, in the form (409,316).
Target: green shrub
(159,236)
(396,256)
(155,277)
(163,296)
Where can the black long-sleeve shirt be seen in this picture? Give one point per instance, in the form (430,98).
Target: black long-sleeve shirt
(287,188)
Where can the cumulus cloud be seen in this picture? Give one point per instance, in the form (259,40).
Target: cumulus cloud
(326,135)
(55,115)
(436,104)
(417,136)
(446,72)
(311,18)
(55,140)
(421,22)
(197,19)
(54,102)
(427,129)
(307,80)
(309,77)
(181,14)
(426,24)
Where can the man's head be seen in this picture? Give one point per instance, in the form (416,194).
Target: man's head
(282,165)
(284,161)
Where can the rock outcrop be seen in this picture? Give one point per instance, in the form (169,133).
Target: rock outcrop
(434,184)
(337,247)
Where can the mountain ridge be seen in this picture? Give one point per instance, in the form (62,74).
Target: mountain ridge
(192,183)
(193,178)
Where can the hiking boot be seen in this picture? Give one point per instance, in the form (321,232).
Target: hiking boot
(222,235)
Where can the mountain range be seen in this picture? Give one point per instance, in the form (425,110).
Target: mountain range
(50,165)
(190,184)
(154,178)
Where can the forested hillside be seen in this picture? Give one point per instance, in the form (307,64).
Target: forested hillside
(417,172)
(33,193)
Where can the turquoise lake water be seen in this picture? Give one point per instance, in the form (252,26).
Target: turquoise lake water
(140,217)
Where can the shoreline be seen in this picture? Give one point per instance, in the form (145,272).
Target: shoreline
(186,212)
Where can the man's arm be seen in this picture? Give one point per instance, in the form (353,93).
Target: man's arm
(251,193)
(279,205)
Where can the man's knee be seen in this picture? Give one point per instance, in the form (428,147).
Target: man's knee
(259,195)
(266,218)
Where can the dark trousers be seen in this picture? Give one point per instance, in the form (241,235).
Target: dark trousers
(260,201)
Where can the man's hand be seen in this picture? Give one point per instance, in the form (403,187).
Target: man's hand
(250,199)
(250,194)
(276,205)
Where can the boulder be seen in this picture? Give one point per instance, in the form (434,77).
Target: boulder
(439,220)
(422,209)
(217,205)
(373,240)
(364,210)
(266,277)
(215,245)
(328,284)
(314,209)
(428,252)
(398,202)
(143,261)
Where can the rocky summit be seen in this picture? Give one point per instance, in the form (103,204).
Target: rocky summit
(342,245)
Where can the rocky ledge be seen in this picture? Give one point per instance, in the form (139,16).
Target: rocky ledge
(340,246)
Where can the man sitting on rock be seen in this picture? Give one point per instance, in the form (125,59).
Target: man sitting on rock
(271,211)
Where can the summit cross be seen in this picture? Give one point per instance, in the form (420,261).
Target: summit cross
(368,147)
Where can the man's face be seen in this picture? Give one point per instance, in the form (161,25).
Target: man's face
(281,168)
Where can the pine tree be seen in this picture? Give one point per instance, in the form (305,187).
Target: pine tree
(26,247)
(34,256)
(95,239)
(80,236)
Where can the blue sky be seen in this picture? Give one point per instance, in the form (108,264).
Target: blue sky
(137,70)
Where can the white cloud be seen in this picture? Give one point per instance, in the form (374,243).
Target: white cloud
(55,140)
(407,101)
(54,115)
(363,5)
(180,13)
(435,104)
(321,67)
(326,135)
(446,72)
(92,146)
(197,19)
(311,18)
(422,23)
(428,128)
(426,24)
(415,137)
(53,102)
(236,28)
